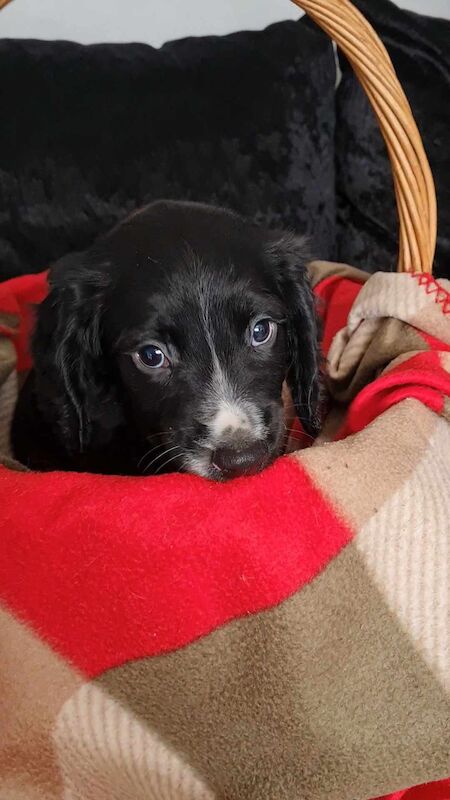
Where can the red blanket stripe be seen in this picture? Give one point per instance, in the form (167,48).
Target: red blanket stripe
(335,297)
(18,296)
(439,790)
(421,377)
(113,569)
(110,569)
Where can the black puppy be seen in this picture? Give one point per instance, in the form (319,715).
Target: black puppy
(165,347)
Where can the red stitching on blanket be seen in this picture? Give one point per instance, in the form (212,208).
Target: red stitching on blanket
(432,287)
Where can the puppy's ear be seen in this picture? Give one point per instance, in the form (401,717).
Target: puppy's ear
(72,381)
(289,257)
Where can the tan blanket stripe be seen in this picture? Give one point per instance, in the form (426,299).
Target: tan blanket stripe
(360,473)
(321,270)
(8,393)
(356,360)
(404,298)
(406,547)
(278,706)
(342,692)
(34,685)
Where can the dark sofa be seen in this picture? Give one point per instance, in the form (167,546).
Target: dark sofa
(251,120)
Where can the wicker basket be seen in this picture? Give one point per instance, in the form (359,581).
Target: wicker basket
(413,181)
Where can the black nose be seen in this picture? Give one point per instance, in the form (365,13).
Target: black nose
(235,461)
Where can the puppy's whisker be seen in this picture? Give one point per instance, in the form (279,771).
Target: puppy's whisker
(202,445)
(161,455)
(166,463)
(298,436)
(159,433)
(159,445)
(294,432)
(149,453)
(300,406)
(170,432)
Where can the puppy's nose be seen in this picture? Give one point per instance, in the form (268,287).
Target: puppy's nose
(234,461)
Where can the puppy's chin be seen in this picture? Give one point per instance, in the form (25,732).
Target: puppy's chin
(200,464)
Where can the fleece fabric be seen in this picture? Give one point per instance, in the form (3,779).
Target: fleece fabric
(280,636)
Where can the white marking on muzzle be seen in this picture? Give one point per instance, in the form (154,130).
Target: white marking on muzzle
(231,416)
(227,415)
(229,419)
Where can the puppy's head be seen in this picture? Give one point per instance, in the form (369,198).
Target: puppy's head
(181,326)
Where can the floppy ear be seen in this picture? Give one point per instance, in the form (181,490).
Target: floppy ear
(289,256)
(73,383)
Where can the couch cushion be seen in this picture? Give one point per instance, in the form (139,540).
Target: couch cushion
(92,132)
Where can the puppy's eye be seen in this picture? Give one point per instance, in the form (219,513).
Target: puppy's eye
(152,357)
(263,332)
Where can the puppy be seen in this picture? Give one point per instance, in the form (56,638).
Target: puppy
(165,346)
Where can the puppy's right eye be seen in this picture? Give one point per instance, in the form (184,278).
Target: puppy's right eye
(263,332)
(151,357)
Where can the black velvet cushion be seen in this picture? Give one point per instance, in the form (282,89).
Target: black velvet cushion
(367,223)
(89,133)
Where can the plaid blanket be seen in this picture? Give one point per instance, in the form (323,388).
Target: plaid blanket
(277,637)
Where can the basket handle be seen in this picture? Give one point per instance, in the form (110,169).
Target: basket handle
(413,181)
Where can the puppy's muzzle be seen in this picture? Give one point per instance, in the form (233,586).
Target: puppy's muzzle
(232,462)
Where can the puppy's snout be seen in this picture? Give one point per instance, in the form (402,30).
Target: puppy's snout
(232,462)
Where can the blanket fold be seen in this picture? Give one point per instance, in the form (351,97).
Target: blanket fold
(277,637)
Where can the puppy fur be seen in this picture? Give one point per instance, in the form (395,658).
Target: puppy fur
(149,352)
